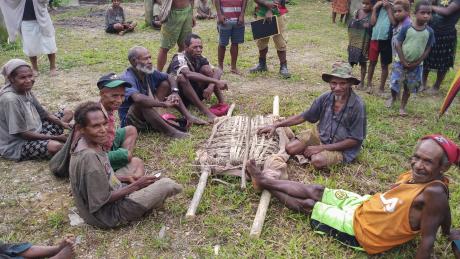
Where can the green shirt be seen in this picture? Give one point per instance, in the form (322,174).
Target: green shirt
(414,42)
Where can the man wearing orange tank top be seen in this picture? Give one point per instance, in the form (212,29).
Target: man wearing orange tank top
(416,204)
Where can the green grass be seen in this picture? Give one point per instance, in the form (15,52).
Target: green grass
(225,213)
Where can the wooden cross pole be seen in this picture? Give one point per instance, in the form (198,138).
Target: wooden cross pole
(264,202)
(205,172)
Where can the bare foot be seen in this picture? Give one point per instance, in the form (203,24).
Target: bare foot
(197,121)
(235,71)
(53,72)
(66,248)
(402,112)
(211,118)
(389,102)
(255,173)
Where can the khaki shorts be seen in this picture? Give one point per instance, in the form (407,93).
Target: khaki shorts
(280,40)
(311,137)
(176,28)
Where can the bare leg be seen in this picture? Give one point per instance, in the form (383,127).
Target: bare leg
(296,204)
(424,86)
(221,56)
(341,17)
(54,146)
(34,62)
(392,99)
(156,122)
(334,15)
(234,58)
(291,188)
(439,78)
(384,78)
(363,66)
(130,138)
(295,147)
(161,59)
(52,59)
(189,93)
(371,69)
(217,74)
(65,250)
(137,166)
(404,99)
(68,115)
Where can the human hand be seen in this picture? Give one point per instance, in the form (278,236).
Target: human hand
(241,19)
(378,5)
(269,129)
(271,5)
(67,125)
(220,19)
(222,85)
(268,16)
(207,93)
(312,150)
(386,4)
(144,181)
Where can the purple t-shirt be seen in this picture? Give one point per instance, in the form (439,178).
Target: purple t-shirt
(396,30)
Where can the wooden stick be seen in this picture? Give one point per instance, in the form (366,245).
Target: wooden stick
(245,157)
(264,202)
(205,171)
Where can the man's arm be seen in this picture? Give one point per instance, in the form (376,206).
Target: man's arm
(338,146)
(146,101)
(446,11)
(243,11)
(220,16)
(435,208)
(55,120)
(30,135)
(290,121)
(194,76)
(268,4)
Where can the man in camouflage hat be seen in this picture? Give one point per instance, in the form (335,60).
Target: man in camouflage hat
(341,122)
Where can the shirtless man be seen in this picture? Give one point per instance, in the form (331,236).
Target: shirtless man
(174,30)
(416,204)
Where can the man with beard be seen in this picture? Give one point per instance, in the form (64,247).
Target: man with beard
(418,203)
(195,76)
(341,118)
(151,89)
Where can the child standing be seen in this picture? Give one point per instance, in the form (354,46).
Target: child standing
(115,20)
(359,35)
(339,7)
(380,42)
(413,45)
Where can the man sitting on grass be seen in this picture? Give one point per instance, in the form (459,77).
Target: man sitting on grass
(197,80)
(341,118)
(150,91)
(418,203)
(101,198)
(115,20)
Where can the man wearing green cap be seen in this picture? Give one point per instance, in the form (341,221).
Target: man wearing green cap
(341,126)
(120,142)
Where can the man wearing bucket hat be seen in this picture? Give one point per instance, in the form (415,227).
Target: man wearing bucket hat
(120,141)
(418,203)
(341,122)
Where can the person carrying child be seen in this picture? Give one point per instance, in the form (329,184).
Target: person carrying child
(413,45)
(359,35)
(381,20)
(115,20)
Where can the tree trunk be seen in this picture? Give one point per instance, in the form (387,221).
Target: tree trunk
(148,5)
(3,32)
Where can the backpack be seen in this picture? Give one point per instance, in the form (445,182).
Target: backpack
(59,164)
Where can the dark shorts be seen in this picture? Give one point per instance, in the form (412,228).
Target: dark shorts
(13,250)
(110,29)
(382,48)
(230,30)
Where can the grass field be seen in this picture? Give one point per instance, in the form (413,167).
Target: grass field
(34,205)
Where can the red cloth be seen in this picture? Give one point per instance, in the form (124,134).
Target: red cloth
(450,148)
(110,131)
(219,109)
(231,9)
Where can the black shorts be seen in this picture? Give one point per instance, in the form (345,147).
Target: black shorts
(382,48)
(110,29)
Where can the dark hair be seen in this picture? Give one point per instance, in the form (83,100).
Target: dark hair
(15,71)
(421,3)
(373,2)
(82,111)
(189,37)
(404,4)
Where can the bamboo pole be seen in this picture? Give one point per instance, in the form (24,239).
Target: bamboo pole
(205,172)
(264,202)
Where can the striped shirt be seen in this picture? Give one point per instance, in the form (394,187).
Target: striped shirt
(231,9)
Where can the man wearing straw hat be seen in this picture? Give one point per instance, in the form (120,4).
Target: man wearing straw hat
(341,122)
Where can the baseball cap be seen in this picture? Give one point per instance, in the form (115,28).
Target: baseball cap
(111,80)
